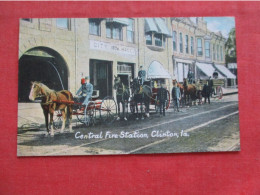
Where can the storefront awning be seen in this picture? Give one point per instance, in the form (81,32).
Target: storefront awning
(157,71)
(183,61)
(208,69)
(150,25)
(162,27)
(38,53)
(225,71)
(122,21)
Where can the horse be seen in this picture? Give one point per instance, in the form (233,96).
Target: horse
(122,96)
(51,101)
(189,91)
(141,94)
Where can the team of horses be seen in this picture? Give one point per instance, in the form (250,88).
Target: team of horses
(137,94)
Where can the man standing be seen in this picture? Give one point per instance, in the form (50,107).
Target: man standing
(162,97)
(190,76)
(85,91)
(142,74)
(176,95)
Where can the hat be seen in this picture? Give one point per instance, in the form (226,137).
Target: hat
(86,78)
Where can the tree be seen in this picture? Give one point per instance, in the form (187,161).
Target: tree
(230,47)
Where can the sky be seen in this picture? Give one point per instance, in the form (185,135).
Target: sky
(215,24)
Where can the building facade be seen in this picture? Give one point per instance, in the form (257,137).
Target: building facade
(59,52)
(196,48)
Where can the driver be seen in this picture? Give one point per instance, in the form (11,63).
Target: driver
(85,91)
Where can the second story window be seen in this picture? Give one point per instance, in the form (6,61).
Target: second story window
(159,40)
(130,30)
(217,52)
(174,40)
(181,43)
(207,49)
(221,53)
(187,43)
(191,45)
(148,37)
(63,23)
(214,52)
(114,31)
(94,27)
(199,47)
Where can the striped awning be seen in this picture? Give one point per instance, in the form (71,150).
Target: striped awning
(150,25)
(122,21)
(162,27)
(225,71)
(157,71)
(208,70)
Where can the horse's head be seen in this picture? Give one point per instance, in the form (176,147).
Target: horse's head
(185,82)
(117,82)
(136,85)
(36,90)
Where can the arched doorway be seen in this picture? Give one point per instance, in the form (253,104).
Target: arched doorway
(44,65)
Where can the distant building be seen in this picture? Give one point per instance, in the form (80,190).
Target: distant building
(197,48)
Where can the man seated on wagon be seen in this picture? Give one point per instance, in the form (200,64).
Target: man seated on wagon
(190,76)
(85,91)
(142,75)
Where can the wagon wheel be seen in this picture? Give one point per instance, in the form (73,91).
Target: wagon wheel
(87,116)
(57,119)
(219,92)
(108,110)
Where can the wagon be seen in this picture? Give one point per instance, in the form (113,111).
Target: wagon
(97,109)
(217,91)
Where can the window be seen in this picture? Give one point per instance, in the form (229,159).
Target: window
(181,44)
(159,41)
(199,47)
(63,23)
(217,52)
(114,31)
(174,40)
(191,45)
(94,27)
(130,30)
(207,49)
(148,38)
(214,52)
(187,43)
(221,53)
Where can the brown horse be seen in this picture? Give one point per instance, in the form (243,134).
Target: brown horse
(189,91)
(51,101)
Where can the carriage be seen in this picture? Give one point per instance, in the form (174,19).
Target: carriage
(97,109)
(217,84)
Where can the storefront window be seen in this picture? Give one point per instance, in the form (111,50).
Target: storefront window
(199,46)
(158,40)
(94,27)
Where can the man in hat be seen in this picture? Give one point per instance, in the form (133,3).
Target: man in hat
(142,74)
(86,90)
(176,95)
(162,97)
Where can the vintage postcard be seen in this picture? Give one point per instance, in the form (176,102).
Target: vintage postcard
(99,86)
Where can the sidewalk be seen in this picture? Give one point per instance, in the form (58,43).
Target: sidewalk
(229,91)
